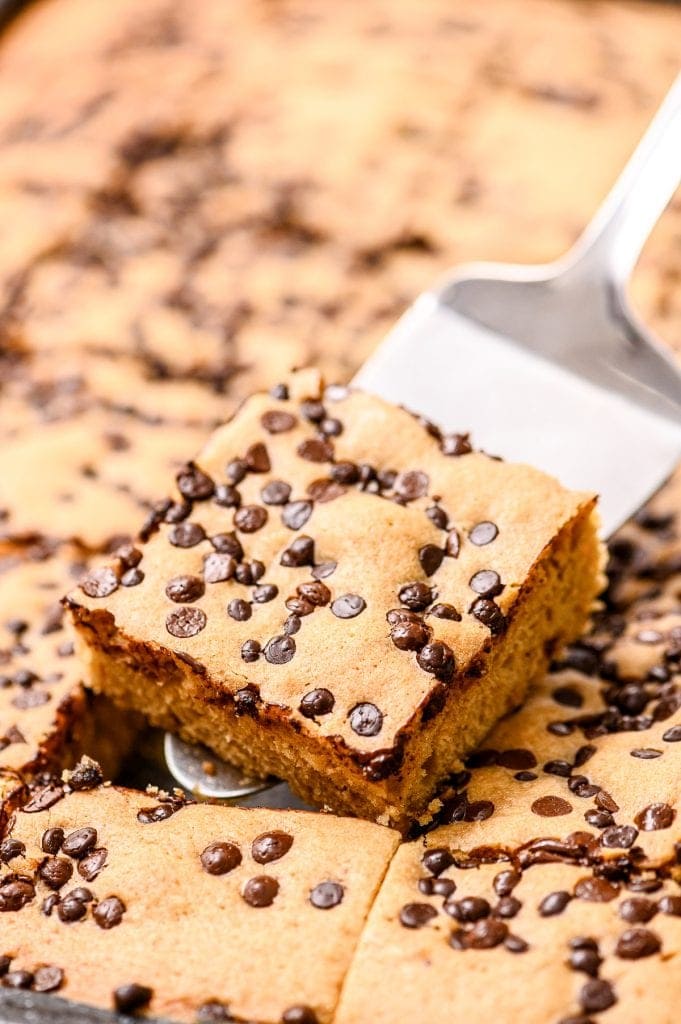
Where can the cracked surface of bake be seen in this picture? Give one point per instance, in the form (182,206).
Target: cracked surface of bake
(342,597)
(142,903)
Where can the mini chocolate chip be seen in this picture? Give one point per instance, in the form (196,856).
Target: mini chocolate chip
(48,978)
(250,518)
(52,840)
(411,485)
(278,421)
(483,533)
(486,583)
(109,912)
(217,567)
(236,470)
(227,496)
(186,621)
(416,596)
(586,960)
(92,863)
(437,860)
(437,658)
(99,582)
(487,934)
(636,943)
(416,915)
(637,910)
(239,609)
(505,882)
(183,589)
(280,649)
(299,553)
(78,843)
(194,484)
(299,1015)
(554,903)
(508,906)
(325,490)
(315,449)
(271,846)
(410,635)
(296,514)
(128,998)
(514,944)
(276,492)
(348,606)
(326,895)
(366,720)
(186,535)
(250,651)
(489,614)
(430,557)
(438,517)
(655,817)
(317,702)
(596,890)
(218,858)
(260,891)
(257,458)
(264,593)
(551,806)
(445,611)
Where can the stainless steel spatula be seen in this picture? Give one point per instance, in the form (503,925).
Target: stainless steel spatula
(543,364)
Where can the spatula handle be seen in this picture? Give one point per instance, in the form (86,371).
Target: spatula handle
(612,242)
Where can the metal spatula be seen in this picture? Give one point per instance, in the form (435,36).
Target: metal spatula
(543,364)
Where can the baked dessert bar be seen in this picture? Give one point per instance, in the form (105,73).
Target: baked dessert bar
(138,902)
(342,597)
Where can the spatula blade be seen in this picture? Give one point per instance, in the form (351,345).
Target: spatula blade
(524,408)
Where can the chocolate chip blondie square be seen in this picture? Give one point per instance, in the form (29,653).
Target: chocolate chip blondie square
(140,902)
(342,597)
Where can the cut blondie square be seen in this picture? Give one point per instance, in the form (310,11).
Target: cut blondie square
(191,912)
(342,597)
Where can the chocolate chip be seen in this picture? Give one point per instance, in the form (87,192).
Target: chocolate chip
(18,979)
(55,872)
(514,944)
(296,514)
(78,843)
(516,759)
(109,912)
(11,848)
(186,622)
(551,806)
(128,998)
(430,557)
(317,702)
(194,484)
(326,895)
(93,862)
(585,959)
(280,649)
(316,593)
(619,837)
(51,840)
(271,846)
(324,569)
(246,702)
(416,915)
(99,582)
(455,444)
(411,485)
(250,651)
(264,593)
(299,1015)
(260,891)
(228,544)
(217,567)
(645,753)
(227,496)
(438,517)
(236,470)
(505,882)
(487,934)
(183,589)
(437,658)
(132,578)
(596,890)
(276,492)
(218,858)
(348,606)
(325,490)
(71,909)
(278,421)
(636,943)
(5,964)
(416,596)
(366,720)
(186,535)
(410,635)
(672,735)
(239,609)
(483,533)
(670,905)
(150,815)
(44,798)
(257,458)
(15,893)
(315,449)
(470,908)
(486,583)
(250,518)
(489,614)
(437,860)
(655,817)
(299,553)
(637,910)
(299,606)
(508,906)
(445,611)
(213,1012)
(48,978)
(554,903)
